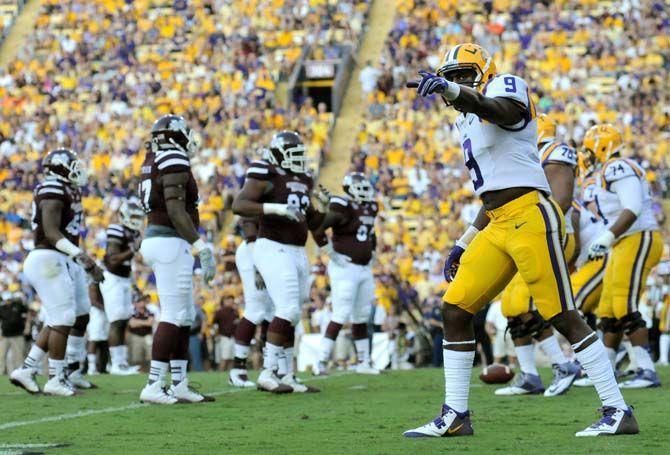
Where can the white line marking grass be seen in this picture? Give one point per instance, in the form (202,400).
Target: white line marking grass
(129,407)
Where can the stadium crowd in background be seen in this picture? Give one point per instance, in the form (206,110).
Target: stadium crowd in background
(95,74)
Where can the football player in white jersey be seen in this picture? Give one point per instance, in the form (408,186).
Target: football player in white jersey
(519,229)
(634,243)
(123,241)
(525,323)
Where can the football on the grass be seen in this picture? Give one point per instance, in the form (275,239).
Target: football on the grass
(496,374)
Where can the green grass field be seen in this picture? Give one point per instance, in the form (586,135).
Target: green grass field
(353,414)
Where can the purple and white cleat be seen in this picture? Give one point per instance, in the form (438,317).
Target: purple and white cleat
(524,384)
(449,423)
(614,421)
(643,379)
(564,375)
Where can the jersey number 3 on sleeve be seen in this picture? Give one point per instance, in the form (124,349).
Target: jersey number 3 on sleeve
(471,164)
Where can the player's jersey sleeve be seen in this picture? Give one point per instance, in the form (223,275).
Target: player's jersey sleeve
(51,189)
(260,170)
(339,204)
(172,161)
(619,169)
(115,233)
(509,86)
(558,152)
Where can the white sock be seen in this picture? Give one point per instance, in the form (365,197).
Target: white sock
(289,360)
(76,349)
(92,362)
(124,354)
(363,350)
(282,363)
(57,368)
(326,349)
(457,371)
(242,351)
(178,370)
(271,359)
(599,370)
(157,371)
(611,356)
(116,353)
(526,356)
(34,357)
(642,358)
(664,345)
(551,347)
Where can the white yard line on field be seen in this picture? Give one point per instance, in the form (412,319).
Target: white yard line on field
(129,407)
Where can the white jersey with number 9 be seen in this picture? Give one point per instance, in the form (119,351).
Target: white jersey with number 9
(500,157)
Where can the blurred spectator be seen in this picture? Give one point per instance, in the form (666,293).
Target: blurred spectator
(140,329)
(496,328)
(14,326)
(197,341)
(225,320)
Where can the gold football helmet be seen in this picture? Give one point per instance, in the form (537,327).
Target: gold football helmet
(469,57)
(546,129)
(603,141)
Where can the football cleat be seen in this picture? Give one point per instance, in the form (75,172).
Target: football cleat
(297,386)
(321,369)
(58,386)
(614,421)
(186,394)
(524,384)
(76,379)
(564,375)
(123,370)
(366,368)
(269,382)
(643,379)
(25,378)
(449,423)
(156,393)
(238,377)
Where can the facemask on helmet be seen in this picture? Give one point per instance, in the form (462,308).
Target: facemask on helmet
(170,131)
(358,187)
(288,152)
(132,214)
(63,164)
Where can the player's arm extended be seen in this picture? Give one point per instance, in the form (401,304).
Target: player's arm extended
(114,255)
(562,182)
(498,110)
(174,191)
(481,220)
(331,219)
(629,190)
(246,203)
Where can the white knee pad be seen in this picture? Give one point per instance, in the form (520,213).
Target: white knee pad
(289,313)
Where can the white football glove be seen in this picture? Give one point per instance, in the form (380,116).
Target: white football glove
(291,212)
(207,264)
(601,245)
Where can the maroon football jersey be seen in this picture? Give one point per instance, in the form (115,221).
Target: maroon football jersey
(355,236)
(155,166)
(124,237)
(285,188)
(72,213)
